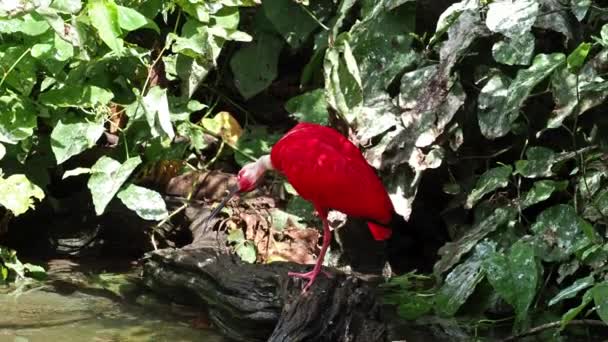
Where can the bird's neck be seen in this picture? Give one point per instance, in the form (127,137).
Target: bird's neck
(265,163)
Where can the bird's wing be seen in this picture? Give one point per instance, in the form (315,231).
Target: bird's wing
(330,178)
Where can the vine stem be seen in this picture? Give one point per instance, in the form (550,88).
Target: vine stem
(13,66)
(552,325)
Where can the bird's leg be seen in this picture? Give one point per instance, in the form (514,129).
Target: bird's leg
(312,275)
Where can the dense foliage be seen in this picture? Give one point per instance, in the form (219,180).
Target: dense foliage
(504,98)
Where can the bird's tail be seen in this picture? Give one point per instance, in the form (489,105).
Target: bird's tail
(379,232)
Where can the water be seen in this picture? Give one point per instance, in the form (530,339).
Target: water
(83,311)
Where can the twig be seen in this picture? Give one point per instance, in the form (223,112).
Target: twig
(552,325)
(10,69)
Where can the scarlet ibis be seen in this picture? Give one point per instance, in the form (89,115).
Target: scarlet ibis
(327,169)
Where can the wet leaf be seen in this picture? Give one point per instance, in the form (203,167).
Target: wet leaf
(514,51)
(541,191)
(309,107)
(461,281)
(107,177)
(572,290)
(148,204)
(515,276)
(451,252)
(500,100)
(561,232)
(512,18)
(18,194)
(71,139)
(489,181)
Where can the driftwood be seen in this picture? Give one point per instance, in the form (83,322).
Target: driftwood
(252,302)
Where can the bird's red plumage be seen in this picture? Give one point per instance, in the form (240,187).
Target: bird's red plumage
(328,170)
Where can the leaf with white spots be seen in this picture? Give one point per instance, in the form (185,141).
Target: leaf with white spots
(560,233)
(489,181)
(515,276)
(600,299)
(514,51)
(146,203)
(511,18)
(500,100)
(541,191)
(107,177)
(461,281)
(572,290)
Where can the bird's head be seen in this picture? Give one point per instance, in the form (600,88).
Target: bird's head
(251,174)
(248,178)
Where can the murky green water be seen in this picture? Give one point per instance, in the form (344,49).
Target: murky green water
(48,313)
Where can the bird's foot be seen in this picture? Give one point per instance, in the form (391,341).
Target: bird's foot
(311,276)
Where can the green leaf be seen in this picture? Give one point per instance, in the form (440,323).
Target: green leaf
(17,193)
(255,142)
(155,107)
(148,204)
(412,306)
(34,271)
(236,236)
(17,118)
(131,20)
(382,45)
(576,58)
(291,20)
(597,208)
(514,51)
(104,17)
(246,251)
(600,299)
(500,100)
(515,276)
(572,313)
(512,18)
(541,191)
(70,139)
(539,163)
(76,95)
(75,172)
(22,75)
(451,252)
(491,180)
(309,107)
(255,65)
(560,232)
(461,281)
(572,290)
(67,6)
(282,220)
(107,177)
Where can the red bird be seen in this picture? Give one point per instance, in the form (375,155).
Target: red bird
(328,170)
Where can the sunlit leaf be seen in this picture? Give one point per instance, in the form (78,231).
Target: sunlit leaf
(580,8)
(512,18)
(131,20)
(70,139)
(104,16)
(514,51)
(17,118)
(107,177)
(17,193)
(148,204)
(576,58)
(246,251)
(76,95)
(224,125)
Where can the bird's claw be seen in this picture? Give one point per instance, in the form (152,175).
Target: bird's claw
(311,276)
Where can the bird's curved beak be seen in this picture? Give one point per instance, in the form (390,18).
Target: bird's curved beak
(233,191)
